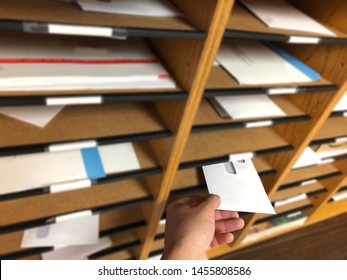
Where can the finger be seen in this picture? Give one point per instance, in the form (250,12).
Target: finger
(224,215)
(230,225)
(222,239)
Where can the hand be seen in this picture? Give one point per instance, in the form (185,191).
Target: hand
(193,225)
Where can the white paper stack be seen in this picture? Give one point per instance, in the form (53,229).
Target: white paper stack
(342,104)
(282,15)
(78,252)
(308,158)
(78,63)
(246,106)
(158,8)
(36,115)
(239,186)
(75,231)
(254,63)
(340,196)
(25,172)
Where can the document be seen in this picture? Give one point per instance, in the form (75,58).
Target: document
(280,14)
(25,172)
(291,199)
(246,106)
(340,196)
(239,186)
(79,231)
(36,115)
(78,252)
(342,104)
(330,150)
(156,8)
(308,158)
(254,63)
(77,63)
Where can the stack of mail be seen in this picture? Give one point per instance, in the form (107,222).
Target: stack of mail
(282,15)
(71,63)
(307,158)
(55,168)
(254,63)
(159,8)
(246,106)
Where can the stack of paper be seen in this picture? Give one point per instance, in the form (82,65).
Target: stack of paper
(36,115)
(159,8)
(25,172)
(340,196)
(282,15)
(246,106)
(254,63)
(239,186)
(78,252)
(308,158)
(33,63)
(342,104)
(326,151)
(75,231)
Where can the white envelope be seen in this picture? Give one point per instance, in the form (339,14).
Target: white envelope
(249,106)
(79,231)
(78,252)
(239,186)
(159,8)
(36,115)
(253,63)
(342,104)
(72,63)
(280,14)
(308,158)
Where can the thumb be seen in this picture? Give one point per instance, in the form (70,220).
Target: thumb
(212,202)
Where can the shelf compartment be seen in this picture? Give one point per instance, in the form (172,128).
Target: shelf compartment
(146,158)
(303,175)
(333,128)
(201,148)
(112,223)
(244,25)
(15,13)
(108,123)
(208,118)
(220,82)
(107,198)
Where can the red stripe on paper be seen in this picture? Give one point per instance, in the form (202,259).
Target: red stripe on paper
(78,61)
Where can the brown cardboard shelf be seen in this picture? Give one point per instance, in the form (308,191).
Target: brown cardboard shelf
(220,82)
(117,122)
(14,12)
(208,117)
(243,24)
(310,188)
(331,129)
(222,143)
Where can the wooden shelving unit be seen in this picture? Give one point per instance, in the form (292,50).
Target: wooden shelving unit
(176,131)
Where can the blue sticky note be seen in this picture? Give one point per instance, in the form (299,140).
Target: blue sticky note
(92,163)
